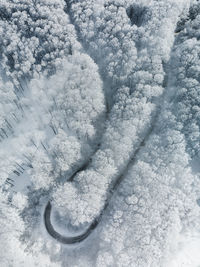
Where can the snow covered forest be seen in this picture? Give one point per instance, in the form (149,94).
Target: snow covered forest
(100,133)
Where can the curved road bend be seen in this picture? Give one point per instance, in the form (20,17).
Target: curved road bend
(61,238)
(79,238)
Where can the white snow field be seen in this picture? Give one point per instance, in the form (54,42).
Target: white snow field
(100,133)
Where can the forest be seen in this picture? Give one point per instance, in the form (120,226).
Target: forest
(100,133)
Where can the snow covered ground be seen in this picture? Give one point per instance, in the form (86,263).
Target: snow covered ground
(100,115)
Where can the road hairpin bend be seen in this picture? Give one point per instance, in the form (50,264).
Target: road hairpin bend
(81,237)
(61,238)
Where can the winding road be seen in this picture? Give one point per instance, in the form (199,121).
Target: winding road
(112,188)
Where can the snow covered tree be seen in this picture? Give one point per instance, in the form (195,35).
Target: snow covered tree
(9,109)
(133,94)
(71,103)
(62,62)
(185,64)
(33,35)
